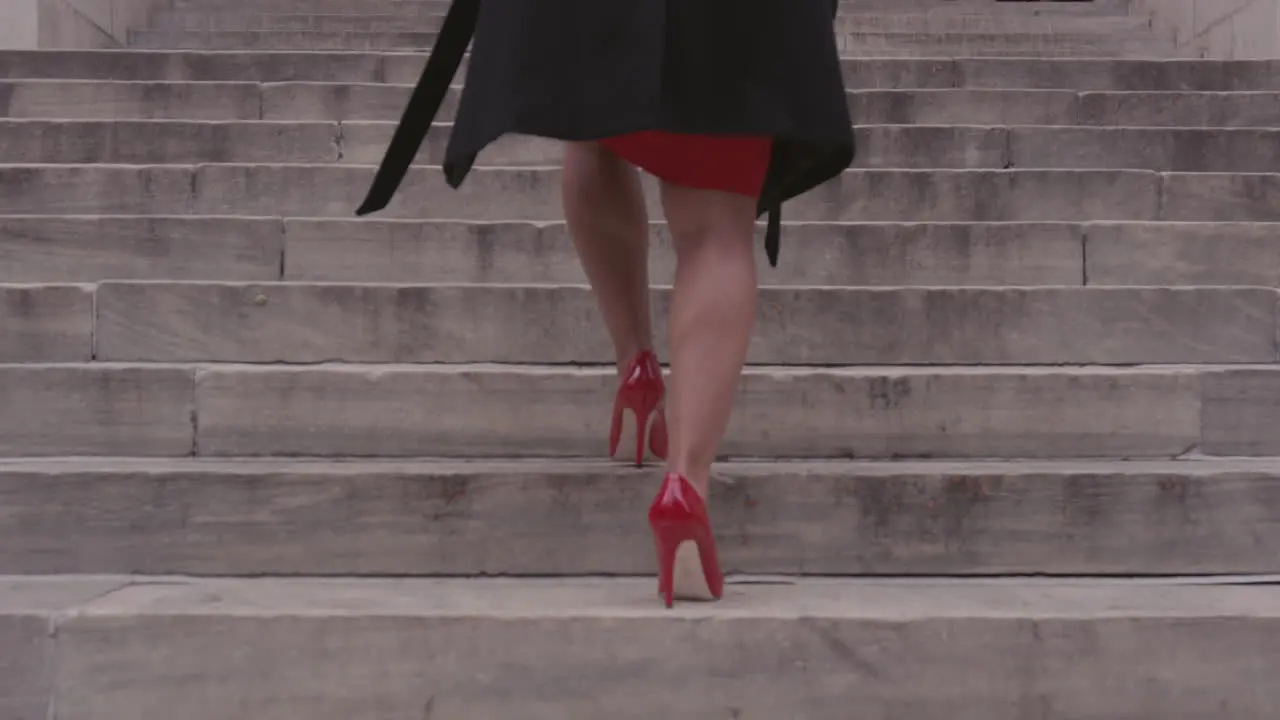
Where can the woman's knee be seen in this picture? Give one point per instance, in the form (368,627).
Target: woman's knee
(698,218)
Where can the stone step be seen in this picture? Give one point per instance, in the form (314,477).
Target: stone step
(860,44)
(311,323)
(405,40)
(1005,44)
(860,73)
(531,517)
(132,648)
(416,21)
(61,249)
(534,194)
(920,147)
(143,100)
(846,7)
(336,410)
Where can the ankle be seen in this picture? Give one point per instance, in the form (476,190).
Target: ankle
(701,481)
(625,354)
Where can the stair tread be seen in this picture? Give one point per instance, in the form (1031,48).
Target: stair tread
(898,600)
(364,467)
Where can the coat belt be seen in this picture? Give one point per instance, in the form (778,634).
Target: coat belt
(446,57)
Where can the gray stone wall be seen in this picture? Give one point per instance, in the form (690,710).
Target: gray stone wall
(1220,29)
(70,23)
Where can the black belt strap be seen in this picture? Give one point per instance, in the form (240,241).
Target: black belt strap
(773,234)
(446,57)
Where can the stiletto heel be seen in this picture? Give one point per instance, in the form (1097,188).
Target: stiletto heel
(641,392)
(688,564)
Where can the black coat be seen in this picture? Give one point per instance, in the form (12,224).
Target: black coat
(588,69)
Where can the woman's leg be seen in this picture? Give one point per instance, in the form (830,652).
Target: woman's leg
(605,209)
(712,313)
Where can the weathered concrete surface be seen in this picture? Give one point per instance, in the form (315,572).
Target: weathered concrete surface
(49,24)
(1221,29)
(287,517)
(46,323)
(29,613)
(329,101)
(1103,74)
(140,142)
(1230,253)
(831,254)
(1180,109)
(1220,197)
(89,249)
(930,21)
(370,101)
(307,323)
(847,7)
(465,411)
(961,106)
(95,190)
(911,42)
(404,40)
(1183,150)
(1242,412)
(143,142)
(533,193)
(401,410)
(95,410)
(566,649)
(125,100)
(26,666)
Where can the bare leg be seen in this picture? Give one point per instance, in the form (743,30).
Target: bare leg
(605,210)
(712,315)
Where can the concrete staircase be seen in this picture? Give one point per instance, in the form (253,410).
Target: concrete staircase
(261,460)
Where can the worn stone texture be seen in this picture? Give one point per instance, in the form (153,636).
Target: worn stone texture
(349,101)
(370,101)
(917,147)
(1117,74)
(189,66)
(344,40)
(1241,412)
(95,190)
(229,19)
(91,249)
(856,196)
(467,649)
(875,412)
(572,518)
(95,410)
(958,106)
(26,667)
(305,323)
(29,613)
(140,142)
(1220,197)
(531,193)
(1190,150)
(46,323)
(1108,74)
(1176,254)
(831,254)
(1180,109)
(125,100)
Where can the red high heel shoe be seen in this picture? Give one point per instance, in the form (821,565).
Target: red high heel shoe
(688,564)
(641,392)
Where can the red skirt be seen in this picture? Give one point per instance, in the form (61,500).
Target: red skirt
(730,163)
